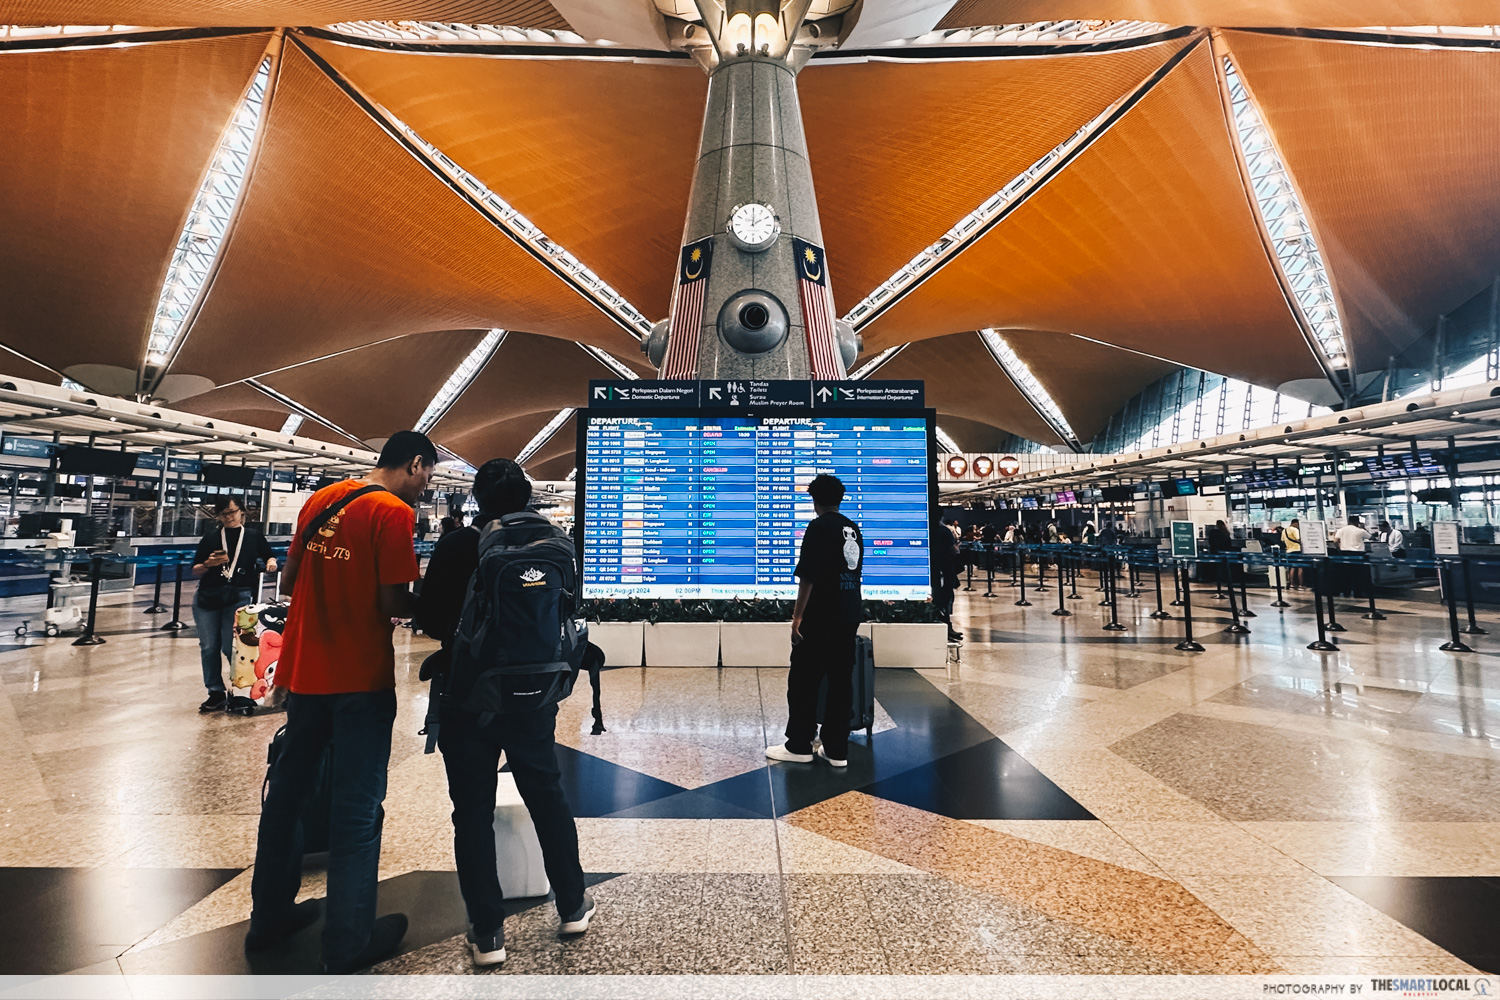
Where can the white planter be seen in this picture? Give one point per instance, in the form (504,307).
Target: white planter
(756,644)
(682,644)
(622,642)
(910,645)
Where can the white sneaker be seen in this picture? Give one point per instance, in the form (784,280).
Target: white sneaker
(831,760)
(780,752)
(487,949)
(578,922)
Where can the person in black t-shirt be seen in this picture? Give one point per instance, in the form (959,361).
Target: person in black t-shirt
(226,565)
(825,622)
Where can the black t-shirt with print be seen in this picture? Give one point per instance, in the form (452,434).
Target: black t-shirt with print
(256,549)
(832,559)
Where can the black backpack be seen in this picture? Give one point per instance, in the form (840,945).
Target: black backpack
(518,647)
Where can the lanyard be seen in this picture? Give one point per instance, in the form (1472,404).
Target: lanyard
(239,544)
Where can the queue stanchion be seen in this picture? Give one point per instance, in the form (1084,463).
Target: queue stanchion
(157,607)
(969,574)
(1473,627)
(176,624)
(1160,613)
(1244,569)
(1276,571)
(1107,578)
(989,569)
(1236,627)
(1075,565)
(1132,576)
(1182,573)
(1041,569)
(1015,563)
(1177,572)
(1113,592)
(1062,608)
(1020,554)
(90,637)
(1322,644)
(1371,615)
(1333,618)
(1454,644)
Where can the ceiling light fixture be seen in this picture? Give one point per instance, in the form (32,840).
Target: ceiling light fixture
(463,376)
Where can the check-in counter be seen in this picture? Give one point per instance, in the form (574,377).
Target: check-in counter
(1384,572)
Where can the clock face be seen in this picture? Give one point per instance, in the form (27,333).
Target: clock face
(754,226)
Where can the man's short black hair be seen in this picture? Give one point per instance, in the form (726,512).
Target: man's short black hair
(826,490)
(501,487)
(403,446)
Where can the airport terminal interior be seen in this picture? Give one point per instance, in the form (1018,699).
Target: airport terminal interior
(1156,347)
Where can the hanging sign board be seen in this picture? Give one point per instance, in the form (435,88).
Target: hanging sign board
(1184,540)
(1314,538)
(1445,538)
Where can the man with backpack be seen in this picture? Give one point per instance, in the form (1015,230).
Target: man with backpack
(500,596)
(825,622)
(347,570)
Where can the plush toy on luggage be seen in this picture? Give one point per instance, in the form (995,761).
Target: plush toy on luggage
(257,648)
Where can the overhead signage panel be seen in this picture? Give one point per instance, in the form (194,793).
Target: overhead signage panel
(622,393)
(897,393)
(762,394)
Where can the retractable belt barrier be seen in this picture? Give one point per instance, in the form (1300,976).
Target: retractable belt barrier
(1230,571)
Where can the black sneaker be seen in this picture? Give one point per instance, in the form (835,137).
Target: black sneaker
(303,915)
(487,949)
(578,921)
(214,702)
(954,635)
(384,937)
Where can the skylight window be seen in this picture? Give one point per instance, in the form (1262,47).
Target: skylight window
(463,376)
(443,31)
(947,443)
(203,236)
(293,424)
(1291,235)
(544,435)
(1048,31)
(1040,399)
(869,367)
(522,228)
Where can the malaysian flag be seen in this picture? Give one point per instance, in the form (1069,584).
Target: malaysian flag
(687,310)
(817,310)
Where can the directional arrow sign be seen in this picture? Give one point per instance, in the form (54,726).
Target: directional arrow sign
(636,393)
(714,392)
(601,392)
(823,394)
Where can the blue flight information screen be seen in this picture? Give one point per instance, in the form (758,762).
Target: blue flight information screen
(715,507)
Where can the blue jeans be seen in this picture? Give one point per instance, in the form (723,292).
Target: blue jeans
(358,725)
(216,638)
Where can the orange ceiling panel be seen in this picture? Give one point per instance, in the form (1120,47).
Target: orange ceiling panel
(1088,381)
(1227,13)
(901,151)
(527,381)
(409,371)
(964,381)
(188,13)
(242,403)
(1146,241)
(344,239)
(103,152)
(597,153)
(1395,150)
(556,468)
(971,435)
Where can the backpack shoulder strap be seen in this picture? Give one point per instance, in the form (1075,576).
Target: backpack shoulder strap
(327,513)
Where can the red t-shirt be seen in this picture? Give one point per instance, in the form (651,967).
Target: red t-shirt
(336,640)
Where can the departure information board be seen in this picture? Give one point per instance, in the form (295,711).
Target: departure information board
(680,506)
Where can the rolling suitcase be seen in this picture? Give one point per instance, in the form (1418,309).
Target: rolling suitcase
(862,683)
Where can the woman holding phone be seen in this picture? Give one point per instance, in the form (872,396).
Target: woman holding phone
(226,567)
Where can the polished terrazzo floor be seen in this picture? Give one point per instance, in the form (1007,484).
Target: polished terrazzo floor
(1062,801)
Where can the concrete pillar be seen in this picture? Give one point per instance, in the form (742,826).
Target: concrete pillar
(753,151)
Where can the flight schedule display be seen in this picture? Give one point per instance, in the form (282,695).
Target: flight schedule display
(715,507)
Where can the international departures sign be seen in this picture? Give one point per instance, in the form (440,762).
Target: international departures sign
(792,395)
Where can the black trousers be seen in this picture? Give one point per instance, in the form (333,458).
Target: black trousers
(824,652)
(471,755)
(942,601)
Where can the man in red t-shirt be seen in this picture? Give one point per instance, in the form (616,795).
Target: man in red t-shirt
(347,570)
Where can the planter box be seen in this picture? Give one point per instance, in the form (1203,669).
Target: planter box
(622,642)
(756,644)
(682,644)
(910,645)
